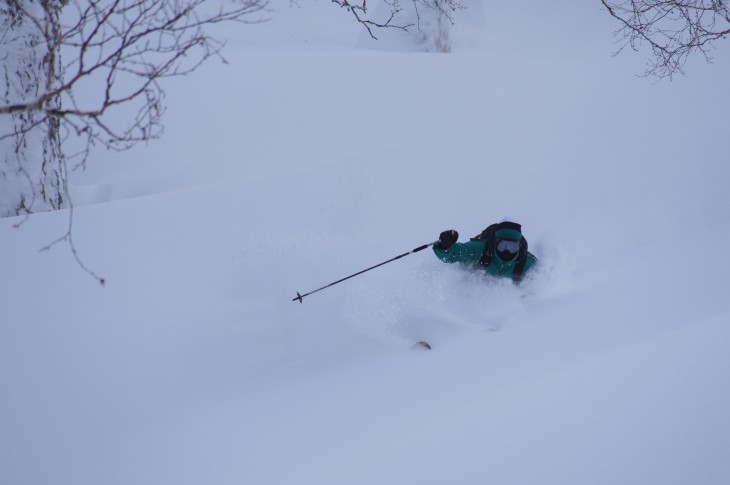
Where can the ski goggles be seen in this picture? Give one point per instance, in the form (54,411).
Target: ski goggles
(507,246)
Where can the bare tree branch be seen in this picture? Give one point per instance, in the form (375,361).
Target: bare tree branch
(68,237)
(360,11)
(79,61)
(673,29)
(124,48)
(434,31)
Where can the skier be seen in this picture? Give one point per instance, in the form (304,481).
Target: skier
(501,250)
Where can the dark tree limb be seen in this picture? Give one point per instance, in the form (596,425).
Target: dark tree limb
(673,29)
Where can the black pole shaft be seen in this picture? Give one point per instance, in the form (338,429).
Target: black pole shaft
(420,248)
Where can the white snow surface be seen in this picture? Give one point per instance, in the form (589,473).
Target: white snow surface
(317,152)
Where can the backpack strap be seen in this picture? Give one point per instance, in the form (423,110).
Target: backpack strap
(487,235)
(521,261)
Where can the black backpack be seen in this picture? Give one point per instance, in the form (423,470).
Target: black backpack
(488,235)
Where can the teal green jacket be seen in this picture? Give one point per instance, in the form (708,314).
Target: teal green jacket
(471,253)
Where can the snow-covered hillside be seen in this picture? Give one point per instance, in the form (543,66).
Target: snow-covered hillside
(315,153)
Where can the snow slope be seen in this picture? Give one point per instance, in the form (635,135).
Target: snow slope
(314,154)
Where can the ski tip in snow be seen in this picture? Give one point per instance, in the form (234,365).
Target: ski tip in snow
(423,344)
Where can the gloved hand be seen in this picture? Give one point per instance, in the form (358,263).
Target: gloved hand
(447,239)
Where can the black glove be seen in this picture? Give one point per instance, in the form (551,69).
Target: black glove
(447,239)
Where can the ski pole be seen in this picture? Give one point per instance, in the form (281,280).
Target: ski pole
(420,248)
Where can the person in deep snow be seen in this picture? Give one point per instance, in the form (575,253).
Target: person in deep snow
(500,249)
